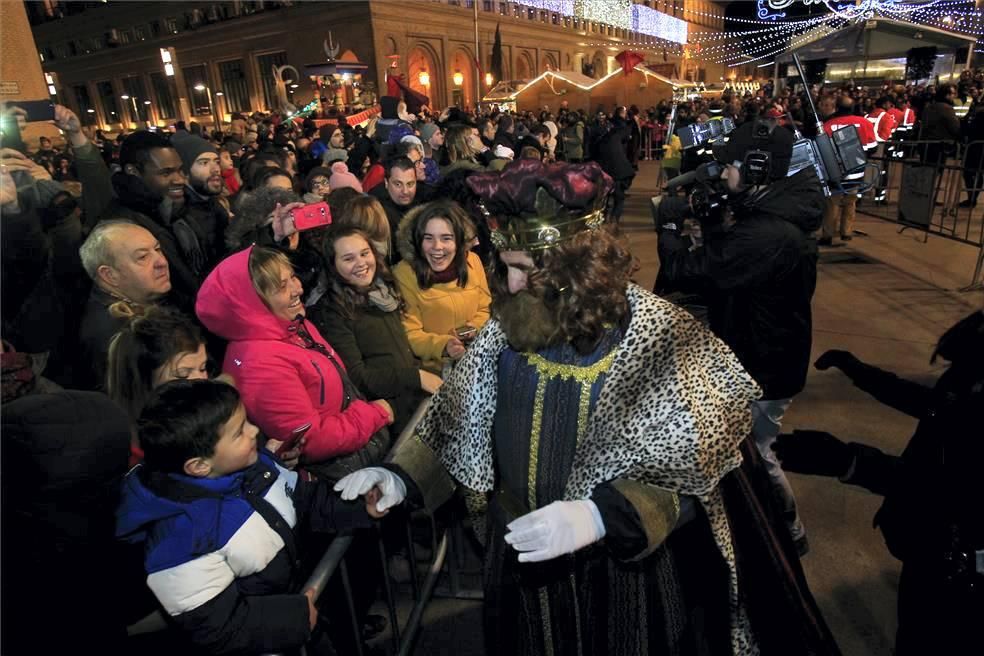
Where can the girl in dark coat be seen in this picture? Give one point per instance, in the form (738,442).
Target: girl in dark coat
(361,316)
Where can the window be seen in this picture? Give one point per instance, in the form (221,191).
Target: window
(164,91)
(195,76)
(134,87)
(141,32)
(87,113)
(232,78)
(110,107)
(503,8)
(487,5)
(171,24)
(266,64)
(125,37)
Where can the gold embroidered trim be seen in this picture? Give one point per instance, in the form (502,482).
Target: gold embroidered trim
(541,388)
(548,646)
(583,405)
(588,374)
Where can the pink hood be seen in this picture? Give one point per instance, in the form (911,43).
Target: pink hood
(228,306)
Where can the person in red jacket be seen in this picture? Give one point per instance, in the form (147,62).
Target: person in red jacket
(882,120)
(292,382)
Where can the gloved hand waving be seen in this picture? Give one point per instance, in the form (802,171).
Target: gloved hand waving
(560,528)
(358,483)
(813,452)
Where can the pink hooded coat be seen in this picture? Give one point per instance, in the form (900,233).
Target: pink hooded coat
(284,386)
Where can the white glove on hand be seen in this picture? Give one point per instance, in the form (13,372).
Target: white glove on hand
(359,482)
(561,528)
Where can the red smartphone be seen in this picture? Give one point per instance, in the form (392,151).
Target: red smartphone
(315,215)
(36,110)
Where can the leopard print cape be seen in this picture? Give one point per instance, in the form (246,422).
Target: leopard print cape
(674,407)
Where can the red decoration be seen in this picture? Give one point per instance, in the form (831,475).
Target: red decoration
(629,60)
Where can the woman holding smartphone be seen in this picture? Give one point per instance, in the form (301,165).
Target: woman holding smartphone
(361,316)
(442,282)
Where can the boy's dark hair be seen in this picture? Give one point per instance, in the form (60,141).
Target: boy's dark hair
(182,420)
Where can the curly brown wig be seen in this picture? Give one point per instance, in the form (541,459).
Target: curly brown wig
(582,282)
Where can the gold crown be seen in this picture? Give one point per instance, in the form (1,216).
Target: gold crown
(552,224)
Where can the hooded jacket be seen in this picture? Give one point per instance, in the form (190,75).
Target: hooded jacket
(284,385)
(221,556)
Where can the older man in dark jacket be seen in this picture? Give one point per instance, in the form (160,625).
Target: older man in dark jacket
(759,270)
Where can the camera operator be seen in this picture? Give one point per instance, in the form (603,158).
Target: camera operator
(754,258)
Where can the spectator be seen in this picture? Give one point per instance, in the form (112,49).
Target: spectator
(152,348)
(442,281)
(367,214)
(342,179)
(202,466)
(150,191)
(611,156)
(940,123)
(129,270)
(229,163)
(397,194)
(201,164)
(572,138)
(504,134)
(253,300)
(64,455)
(361,317)
(317,185)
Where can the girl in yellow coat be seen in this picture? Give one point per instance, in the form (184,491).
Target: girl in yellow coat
(442,281)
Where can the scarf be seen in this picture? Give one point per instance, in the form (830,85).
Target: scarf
(383,298)
(448,275)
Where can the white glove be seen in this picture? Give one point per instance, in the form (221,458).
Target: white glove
(503,152)
(359,482)
(561,528)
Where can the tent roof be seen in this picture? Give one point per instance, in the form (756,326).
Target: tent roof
(888,38)
(508,90)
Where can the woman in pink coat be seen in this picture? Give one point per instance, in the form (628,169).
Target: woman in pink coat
(291,381)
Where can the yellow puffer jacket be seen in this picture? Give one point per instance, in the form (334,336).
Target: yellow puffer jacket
(433,314)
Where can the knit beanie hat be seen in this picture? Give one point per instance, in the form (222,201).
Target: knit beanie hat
(397,133)
(190,147)
(334,154)
(340,177)
(427,131)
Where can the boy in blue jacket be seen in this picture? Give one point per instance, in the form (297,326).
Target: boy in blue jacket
(219,519)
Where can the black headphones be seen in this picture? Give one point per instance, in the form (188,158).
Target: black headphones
(757,165)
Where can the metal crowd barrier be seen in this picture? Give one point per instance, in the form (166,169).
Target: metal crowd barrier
(923,184)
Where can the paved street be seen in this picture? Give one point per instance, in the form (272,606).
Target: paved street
(887,298)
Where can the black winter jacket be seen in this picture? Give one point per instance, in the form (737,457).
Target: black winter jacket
(759,277)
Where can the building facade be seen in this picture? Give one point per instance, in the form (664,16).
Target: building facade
(106,63)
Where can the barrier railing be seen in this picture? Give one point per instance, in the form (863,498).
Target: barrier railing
(931,186)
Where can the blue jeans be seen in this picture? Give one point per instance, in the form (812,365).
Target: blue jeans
(766,424)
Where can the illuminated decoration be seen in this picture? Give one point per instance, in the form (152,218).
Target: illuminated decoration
(489,79)
(762,11)
(862,9)
(424,78)
(650,22)
(617,13)
(457,78)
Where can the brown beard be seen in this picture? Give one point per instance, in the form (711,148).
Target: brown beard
(528,323)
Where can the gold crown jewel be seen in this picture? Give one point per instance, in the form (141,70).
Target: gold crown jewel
(552,224)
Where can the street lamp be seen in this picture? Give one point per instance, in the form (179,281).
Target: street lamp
(424,78)
(211,106)
(458,78)
(488,79)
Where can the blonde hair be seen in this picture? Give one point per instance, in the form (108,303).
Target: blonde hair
(367,213)
(265,265)
(456,140)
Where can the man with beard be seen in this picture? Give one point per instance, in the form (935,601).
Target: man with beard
(150,191)
(598,420)
(201,164)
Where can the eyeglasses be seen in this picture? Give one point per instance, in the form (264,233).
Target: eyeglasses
(320,182)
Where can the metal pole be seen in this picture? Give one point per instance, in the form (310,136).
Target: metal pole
(478,59)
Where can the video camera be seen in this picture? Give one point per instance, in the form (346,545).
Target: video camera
(697,134)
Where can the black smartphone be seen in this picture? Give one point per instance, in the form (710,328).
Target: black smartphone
(36,110)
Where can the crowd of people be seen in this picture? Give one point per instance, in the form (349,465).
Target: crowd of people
(249,318)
